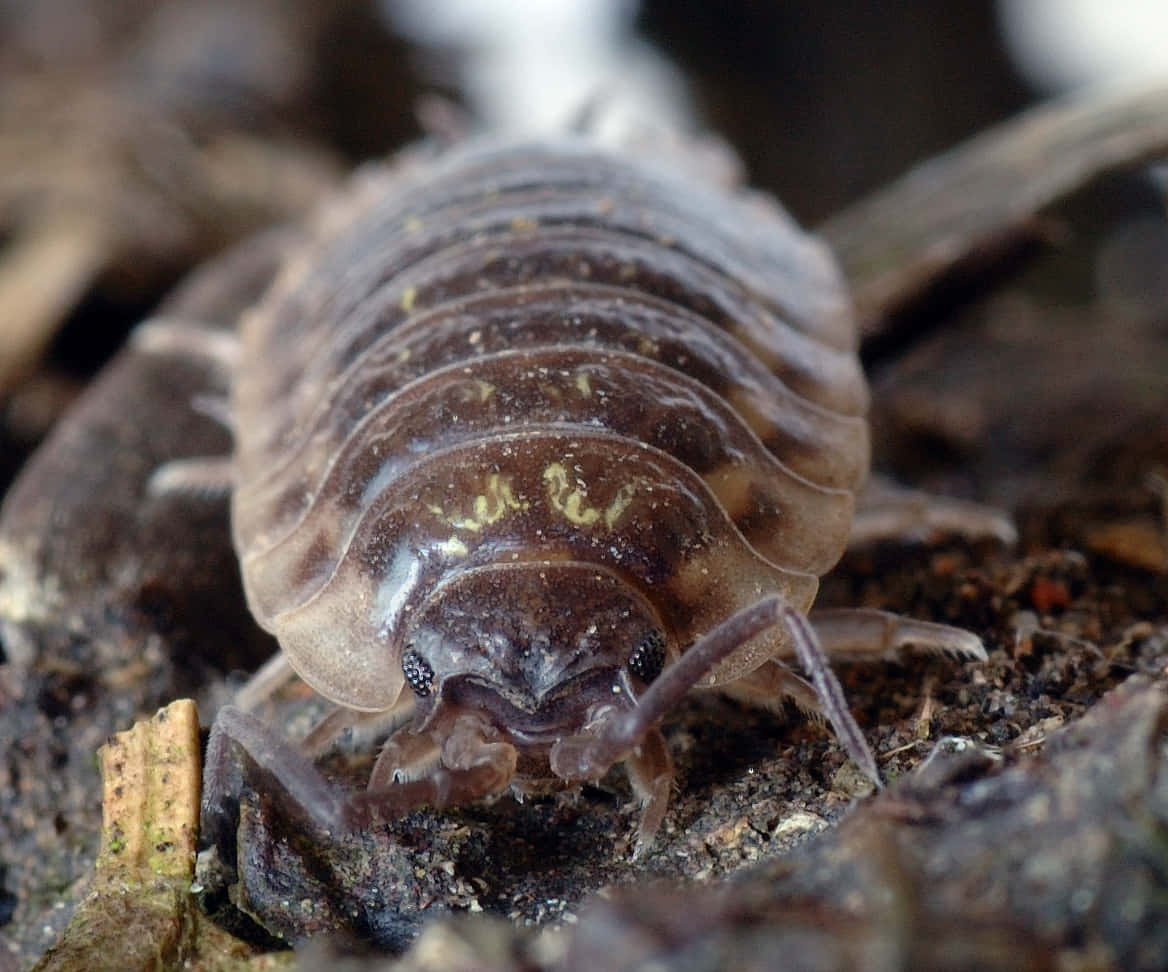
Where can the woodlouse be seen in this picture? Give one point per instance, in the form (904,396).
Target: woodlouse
(530,441)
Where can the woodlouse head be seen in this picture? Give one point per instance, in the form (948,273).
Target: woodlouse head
(540,648)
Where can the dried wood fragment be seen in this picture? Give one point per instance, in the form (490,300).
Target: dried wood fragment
(139,912)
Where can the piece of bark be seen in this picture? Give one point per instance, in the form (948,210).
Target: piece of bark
(139,913)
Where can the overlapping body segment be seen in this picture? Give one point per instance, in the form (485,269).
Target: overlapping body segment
(541,352)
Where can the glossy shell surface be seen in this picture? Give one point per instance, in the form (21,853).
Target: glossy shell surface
(541,352)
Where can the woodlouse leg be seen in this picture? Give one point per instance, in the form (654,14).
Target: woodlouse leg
(243,750)
(650,769)
(831,696)
(242,747)
(326,730)
(473,765)
(203,477)
(405,756)
(772,684)
(174,335)
(272,676)
(206,477)
(861,633)
(889,511)
(341,718)
(851,635)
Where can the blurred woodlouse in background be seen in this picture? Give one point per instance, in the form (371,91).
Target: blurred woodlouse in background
(531,440)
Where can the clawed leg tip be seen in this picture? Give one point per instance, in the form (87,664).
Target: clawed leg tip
(645,843)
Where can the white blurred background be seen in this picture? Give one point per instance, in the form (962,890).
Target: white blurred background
(530,58)
(824,100)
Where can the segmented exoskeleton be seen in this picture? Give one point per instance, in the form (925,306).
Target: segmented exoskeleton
(531,440)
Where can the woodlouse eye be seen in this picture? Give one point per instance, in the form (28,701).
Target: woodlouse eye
(647,658)
(418,673)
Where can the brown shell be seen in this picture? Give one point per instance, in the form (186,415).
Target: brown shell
(541,351)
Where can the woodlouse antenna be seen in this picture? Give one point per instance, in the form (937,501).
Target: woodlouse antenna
(831,696)
(589,756)
(675,682)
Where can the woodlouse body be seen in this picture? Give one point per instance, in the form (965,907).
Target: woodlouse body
(541,353)
(524,423)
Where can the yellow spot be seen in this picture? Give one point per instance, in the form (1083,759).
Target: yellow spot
(582,384)
(564,499)
(486,389)
(409,295)
(524,224)
(404,355)
(620,503)
(413,225)
(490,506)
(453,547)
(572,499)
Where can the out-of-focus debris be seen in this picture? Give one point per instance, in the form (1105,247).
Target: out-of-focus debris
(1139,543)
(112,603)
(966,206)
(1013,380)
(104,186)
(137,139)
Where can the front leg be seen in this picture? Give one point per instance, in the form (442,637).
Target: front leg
(650,769)
(620,734)
(306,834)
(847,635)
(888,511)
(472,764)
(243,751)
(860,634)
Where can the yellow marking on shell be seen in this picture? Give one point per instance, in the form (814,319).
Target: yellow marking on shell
(409,295)
(620,503)
(583,385)
(486,389)
(413,225)
(564,499)
(571,499)
(490,506)
(453,547)
(524,224)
